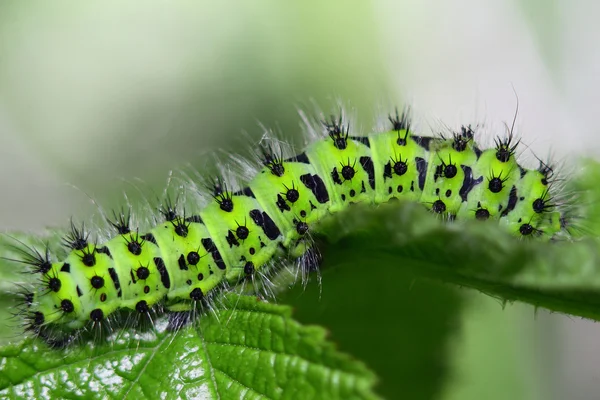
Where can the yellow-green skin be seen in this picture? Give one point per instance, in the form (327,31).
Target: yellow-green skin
(327,178)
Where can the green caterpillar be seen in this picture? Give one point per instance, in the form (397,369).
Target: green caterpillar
(180,263)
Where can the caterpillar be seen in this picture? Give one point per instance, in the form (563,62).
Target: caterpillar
(244,234)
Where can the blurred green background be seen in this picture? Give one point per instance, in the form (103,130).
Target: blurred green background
(96,97)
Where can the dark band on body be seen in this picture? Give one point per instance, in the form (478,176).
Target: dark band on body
(367,164)
(115,278)
(317,186)
(267,224)
(162,270)
(148,237)
(422,168)
(468,182)
(210,247)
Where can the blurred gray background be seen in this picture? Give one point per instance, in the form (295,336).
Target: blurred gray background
(96,96)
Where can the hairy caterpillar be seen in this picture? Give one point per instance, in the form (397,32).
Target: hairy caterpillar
(179,264)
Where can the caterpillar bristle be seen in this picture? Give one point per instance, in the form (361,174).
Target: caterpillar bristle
(87,255)
(169,209)
(462,138)
(546,169)
(335,127)
(272,160)
(134,243)
(121,222)
(505,148)
(77,238)
(33,321)
(40,263)
(181,225)
(337,131)
(178,320)
(27,298)
(402,121)
(222,195)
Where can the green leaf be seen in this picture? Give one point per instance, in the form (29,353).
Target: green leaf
(247,349)
(495,356)
(400,325)
(585,199)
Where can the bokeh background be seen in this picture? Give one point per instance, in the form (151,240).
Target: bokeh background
(96,97)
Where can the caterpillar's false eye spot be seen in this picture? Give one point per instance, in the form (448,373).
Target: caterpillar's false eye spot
(482,214)
(142,307)
(88,257)
(249,268)
(438,207)
(88,260)
(196,294)
(400,168)
(539,205)
(142,273)
(526,229)
(242,232)
(503,154)
(495,185)
(67,306)
(193,258)
(134,248)
(226,205)
(97,282)
(54,284)
(292,195)
(97,315)
(38,318)
(450,171)
(301,228)
(181,230)
(348,172)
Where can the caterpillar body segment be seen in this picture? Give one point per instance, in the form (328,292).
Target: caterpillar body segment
(293,194)
(185,260)
(243,234)
(193,265)
(346,167)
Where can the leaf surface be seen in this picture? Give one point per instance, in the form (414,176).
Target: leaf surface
(254,350)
